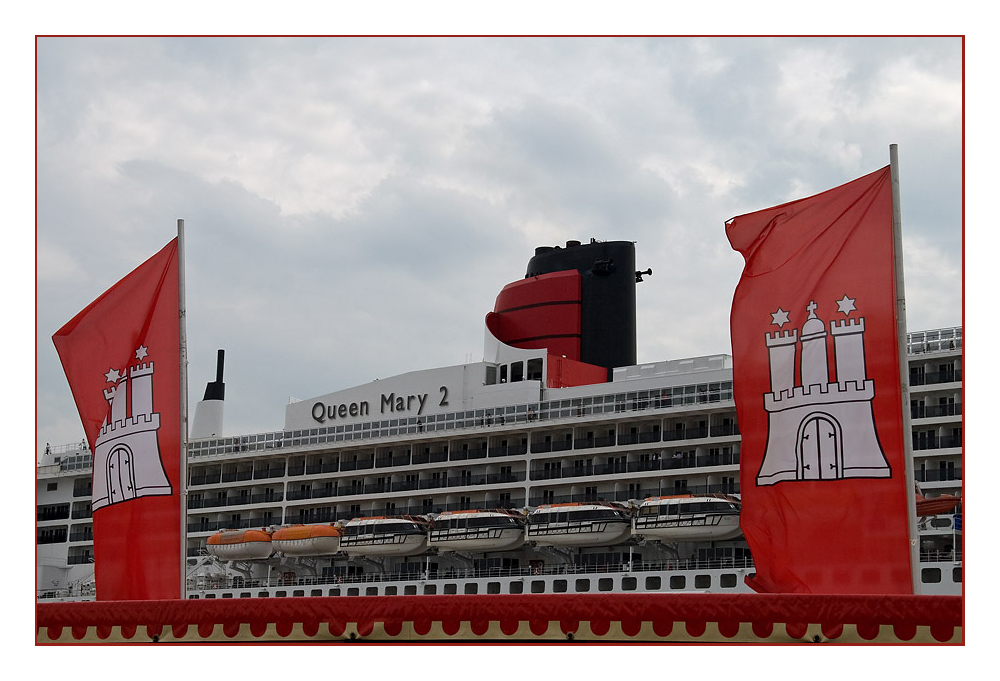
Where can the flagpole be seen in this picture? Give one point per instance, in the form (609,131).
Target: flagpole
(904,371)
(183,405)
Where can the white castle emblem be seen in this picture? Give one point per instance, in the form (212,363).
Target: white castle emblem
(821,429)
(127,462)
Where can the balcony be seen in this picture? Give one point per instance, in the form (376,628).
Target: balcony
(430,457)
(235,500)
(936,377)
(923,442)
(685,434)
(920,411)
(641,466)
(511,450)
(267,473)
(465,454)
(637,493)
(938,475)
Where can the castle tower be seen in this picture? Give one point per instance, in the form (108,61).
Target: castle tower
(781,353)
(849,350)
(815,370)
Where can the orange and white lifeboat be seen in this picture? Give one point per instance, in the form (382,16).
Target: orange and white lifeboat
(239,544)
(307,540)
(936,505)
(477,530)
(687,517)
(579,524)
(385,536)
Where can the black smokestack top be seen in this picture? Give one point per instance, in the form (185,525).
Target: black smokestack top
(608,278)
(216,390)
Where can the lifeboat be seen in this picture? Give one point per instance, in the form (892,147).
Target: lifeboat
(688,517)
(307,540)
(579,524)
(239,544)
(936,505)
(385,536)
(477,530)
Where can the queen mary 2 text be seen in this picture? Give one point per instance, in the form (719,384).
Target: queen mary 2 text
(391,403)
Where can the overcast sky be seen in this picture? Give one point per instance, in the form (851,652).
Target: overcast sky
(353,206)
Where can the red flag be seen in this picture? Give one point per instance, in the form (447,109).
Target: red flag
(121,355)
(818,397)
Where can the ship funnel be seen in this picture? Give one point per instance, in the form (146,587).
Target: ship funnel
(208,415)
(608,275)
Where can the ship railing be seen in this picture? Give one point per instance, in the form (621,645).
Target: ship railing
(953,556)
(74,593)
(732,487)
(920,410)
(537,568)
(935,340)
(236,581)
(936,377)
(923,441)
(938,475)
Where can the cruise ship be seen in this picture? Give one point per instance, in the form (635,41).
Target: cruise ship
(558,464)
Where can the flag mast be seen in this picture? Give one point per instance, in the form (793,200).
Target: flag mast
(183,406)
(904,370)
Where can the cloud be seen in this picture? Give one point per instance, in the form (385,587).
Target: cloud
(353,206)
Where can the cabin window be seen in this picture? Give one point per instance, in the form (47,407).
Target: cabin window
(629,583)
(703,581)
(516,588)
(678,582)
(582,585)
(727,581)
(605,584)
(930,575)
(653,584)
(537,586)
(559,586)
(534,370)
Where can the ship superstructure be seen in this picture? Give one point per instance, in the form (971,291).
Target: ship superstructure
(557,420)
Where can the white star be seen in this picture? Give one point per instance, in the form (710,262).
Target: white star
(846,305)
(780,317)
(141,352)
(112,376)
